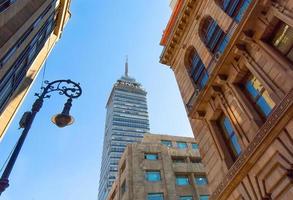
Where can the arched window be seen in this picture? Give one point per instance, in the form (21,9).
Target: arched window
(213,36)
(234,8)
(196,68)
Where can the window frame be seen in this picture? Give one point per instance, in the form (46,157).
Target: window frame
(155,193)
(178,143)
(255,99)
(151,154)
(155,172)
(227,137)
(182,176)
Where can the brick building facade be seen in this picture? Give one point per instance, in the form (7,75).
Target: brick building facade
(233,63)
(161,167)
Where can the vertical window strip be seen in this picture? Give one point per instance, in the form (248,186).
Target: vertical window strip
(230,137)
(198,72)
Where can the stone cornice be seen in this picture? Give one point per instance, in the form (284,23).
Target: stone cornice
(177,31)
(281,114)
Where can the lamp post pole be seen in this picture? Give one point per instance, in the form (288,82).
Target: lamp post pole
(68,88)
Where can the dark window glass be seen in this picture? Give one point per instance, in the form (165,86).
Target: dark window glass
(186,198)
(230,137)
(204,197)
(214,37)
(167,143)
(282,39)
(153,176)
(201,180)
(182,145)
(198,71)
(195,160)
(235,8)
(179,159)
(182,180)
(155,196)
(151,156)
(4,4)
(259,96)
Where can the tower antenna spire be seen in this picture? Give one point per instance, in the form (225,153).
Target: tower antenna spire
(126,66)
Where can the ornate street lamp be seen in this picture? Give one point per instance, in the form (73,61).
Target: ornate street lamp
(68,88)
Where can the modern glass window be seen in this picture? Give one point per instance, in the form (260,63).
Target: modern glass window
(182,145)
(204,197)
(259,96)
(194,146)
(151,156)
(197,70)
(182,180)
(282,39)
(230,137)
(186,198)
(214,37)
(167,143)
(155,196)
(201,180)
(153,176)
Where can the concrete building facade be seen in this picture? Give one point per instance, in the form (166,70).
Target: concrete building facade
(233,63)
(161,167)
(29,29)
(126,122)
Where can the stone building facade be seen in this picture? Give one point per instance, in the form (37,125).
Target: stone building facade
(161,167)
(233,63)
(29,29)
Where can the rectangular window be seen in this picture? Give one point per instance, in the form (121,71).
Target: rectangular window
(230,137)
(155,196)
(182,180)
(151,156)
(194,146)
(153,176)
(259,96)
(282,39)
(204,197)
(195,159)
(186,198)
(201,180)
(167,143)
(177,159)
(182,145)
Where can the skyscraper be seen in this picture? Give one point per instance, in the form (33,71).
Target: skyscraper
(29,30)
(126,122)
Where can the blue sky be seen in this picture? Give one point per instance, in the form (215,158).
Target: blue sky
(64,164)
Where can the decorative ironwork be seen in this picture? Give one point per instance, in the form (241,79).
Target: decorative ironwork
(68,88)
(64,87)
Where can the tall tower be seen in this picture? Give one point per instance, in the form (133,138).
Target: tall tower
(126,122)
